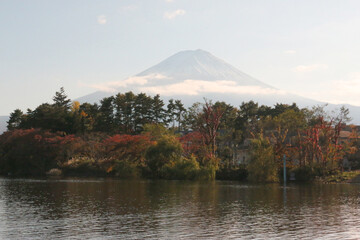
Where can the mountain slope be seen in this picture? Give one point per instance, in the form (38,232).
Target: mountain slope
(194,75)
(199,65)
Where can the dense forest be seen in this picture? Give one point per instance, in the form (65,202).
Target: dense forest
(136,135)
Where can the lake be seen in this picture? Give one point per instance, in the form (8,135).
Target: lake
(145,209)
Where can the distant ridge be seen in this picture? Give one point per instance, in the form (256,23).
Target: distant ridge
(185,65)
(193,75)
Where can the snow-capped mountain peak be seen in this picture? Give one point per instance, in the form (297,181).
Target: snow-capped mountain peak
(199,65)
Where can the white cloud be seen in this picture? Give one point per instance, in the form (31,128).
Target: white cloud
(169,1)
(196,87)
(290,52)
(174,14)
(137,80)
(187,87)
(101,19)
(339,91)
(310,68)
(131,81)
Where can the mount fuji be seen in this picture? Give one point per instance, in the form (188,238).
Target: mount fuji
(194,75)
(199,65)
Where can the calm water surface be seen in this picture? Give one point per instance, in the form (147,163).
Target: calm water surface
(122,209)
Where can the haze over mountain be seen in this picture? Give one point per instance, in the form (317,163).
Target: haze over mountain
(173,76)
(194,75)
(200,65)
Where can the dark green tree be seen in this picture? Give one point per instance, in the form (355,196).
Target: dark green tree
(90,114)
(228,137)
(61,100)
(50,117)
(15,119)
(142,111)
(180,111)
(170,113)
(120,106)
(158,111)
(105,119)
(191,117)
(247,118)
(280,108)
(129,111)
(167,150)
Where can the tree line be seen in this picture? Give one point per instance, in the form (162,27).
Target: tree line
(122,113)
(140,135)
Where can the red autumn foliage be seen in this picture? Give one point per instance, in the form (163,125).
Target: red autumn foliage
(33,151)
(127,147)
(193,144)
(209,123)
(320,144)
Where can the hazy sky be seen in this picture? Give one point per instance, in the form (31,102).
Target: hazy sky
(311,48)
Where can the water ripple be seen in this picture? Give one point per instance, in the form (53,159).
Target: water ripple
(114,209)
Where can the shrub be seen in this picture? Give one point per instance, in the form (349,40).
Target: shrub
(207,173)
(32,152)
(127,147)
(166,151)
(125,169)
(81,166)
(263,166)
(311,171)
(183,168)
